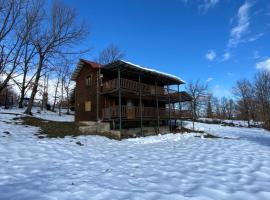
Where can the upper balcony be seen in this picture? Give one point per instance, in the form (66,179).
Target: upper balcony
(133,87)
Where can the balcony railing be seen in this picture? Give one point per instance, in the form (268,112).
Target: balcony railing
(131,112)
(133,86)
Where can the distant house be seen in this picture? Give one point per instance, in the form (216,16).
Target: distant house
(128,96)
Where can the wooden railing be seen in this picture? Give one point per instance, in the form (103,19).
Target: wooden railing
(134,86)
(131,112)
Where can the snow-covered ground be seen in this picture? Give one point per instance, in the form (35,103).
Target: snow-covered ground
(45,114)
(240,123)
(171,166)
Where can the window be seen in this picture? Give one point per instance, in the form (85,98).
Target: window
(87,106)
(88,80)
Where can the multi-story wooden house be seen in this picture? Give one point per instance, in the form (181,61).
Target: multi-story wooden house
(128,96)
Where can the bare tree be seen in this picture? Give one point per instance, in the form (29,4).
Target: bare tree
(57,32)
(25,71)
(216,107)
(230,109)
(198,92)
(68,86)
(262,91)
(209,109)
(56,88)
(65,73)
(110,54)
(244,92)
(17,19)
(223,107)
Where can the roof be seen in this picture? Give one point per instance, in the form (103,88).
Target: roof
(80,65)
(128,65)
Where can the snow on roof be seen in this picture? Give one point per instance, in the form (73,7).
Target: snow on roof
(154,71)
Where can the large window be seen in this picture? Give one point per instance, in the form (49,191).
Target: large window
(88,80)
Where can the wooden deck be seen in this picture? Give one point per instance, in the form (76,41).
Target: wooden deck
(133,113)
(147,90)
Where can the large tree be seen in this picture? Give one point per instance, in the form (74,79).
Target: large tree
(243,90)
(262,91)
(55,36)
(13,33)
(110,54)
(198,92)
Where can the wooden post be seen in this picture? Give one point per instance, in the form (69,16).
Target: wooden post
(97,77)
(175,115)
(119,101)
(170,124)
(141,115)
(157,106)
(180,107)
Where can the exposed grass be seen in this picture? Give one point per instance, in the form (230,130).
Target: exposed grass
(52,129)
(207,135)
(55,129)
(186,130)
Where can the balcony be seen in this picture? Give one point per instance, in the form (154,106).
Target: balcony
(147,90)
(133,113)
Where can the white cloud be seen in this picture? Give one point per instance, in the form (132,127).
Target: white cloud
(210,55)
(207,4)
(209,79)
(242,25)
(226,56)
(221,91)
(255,37)
(264,64)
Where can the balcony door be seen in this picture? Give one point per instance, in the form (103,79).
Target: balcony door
(130,109)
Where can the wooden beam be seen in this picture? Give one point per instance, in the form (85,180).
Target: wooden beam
(140,96)
(119,101)
(157,108)
(180,106)
(170,124)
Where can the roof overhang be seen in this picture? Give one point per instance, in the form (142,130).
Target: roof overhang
(133,68)
(80,65)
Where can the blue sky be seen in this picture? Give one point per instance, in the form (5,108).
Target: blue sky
(217,41)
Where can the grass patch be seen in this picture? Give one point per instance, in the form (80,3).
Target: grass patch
(186,130)
(52,129)
(207,135)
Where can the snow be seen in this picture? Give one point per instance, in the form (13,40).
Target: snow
(234,122)
(45,114)
(171,166)
(154,71)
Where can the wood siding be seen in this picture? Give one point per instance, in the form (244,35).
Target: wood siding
(86,93)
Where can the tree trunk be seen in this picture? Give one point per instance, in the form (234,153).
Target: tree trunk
(62,94)
(22,97)
(68,102)
(55,94)
(23,90)
(28,110)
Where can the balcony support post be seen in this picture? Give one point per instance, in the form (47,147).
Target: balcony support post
(140,96)
(180,106)
(157,107)
(170,124)
(119,101)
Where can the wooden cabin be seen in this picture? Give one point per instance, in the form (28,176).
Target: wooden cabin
(128,96)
